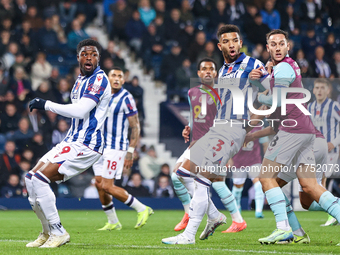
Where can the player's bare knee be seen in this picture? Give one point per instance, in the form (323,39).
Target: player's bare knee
(98,185)
(263,180)
(106,187)
(306,188)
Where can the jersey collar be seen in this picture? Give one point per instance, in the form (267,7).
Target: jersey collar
(96,70)
(117,93)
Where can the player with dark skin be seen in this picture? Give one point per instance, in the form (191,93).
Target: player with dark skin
(78,151)
(88,59)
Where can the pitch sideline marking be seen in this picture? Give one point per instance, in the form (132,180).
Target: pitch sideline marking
(167,247)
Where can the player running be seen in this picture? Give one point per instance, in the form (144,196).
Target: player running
(248,163)
(118,153)
(326,116)
(222,142)
(199,125)
(82,146)
(291,144)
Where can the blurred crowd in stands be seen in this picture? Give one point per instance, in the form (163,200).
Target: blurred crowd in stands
(38,58)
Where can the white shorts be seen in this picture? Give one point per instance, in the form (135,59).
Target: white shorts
(332,160)
(212,151)
(320,149)
(185,155)
(284,147)
(241,174)
(51,153)
(110,165)
(73,158)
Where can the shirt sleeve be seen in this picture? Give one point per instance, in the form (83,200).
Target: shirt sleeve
(284,75)
(130,106)
(78,110)
(336,114)
(336,111)
(96,87)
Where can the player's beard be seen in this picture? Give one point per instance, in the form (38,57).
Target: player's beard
(209,82)
(230,58)
(88,72)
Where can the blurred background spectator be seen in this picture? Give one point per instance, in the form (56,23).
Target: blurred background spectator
(91,191)
(9,163)
(135,187)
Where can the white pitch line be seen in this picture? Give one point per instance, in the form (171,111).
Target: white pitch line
(168,247)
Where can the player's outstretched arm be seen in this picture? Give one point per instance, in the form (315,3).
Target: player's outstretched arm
(135,131)
(77,110)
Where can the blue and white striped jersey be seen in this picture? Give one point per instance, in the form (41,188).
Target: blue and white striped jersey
(237,75)
(326,118)
(121,106)
(89,130)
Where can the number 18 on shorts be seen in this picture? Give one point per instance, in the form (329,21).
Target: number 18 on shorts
(110,165)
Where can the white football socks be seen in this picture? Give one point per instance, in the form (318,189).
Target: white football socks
(198,206)
(212,211)
(135,204)
(32,201)
(187,178)
(110,213)
(47,202)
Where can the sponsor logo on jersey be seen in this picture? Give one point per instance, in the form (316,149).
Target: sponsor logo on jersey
(242,67)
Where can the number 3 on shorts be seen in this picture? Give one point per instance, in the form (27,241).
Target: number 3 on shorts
(219,145)
(112,165)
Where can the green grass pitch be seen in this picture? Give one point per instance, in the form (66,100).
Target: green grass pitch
(19,227)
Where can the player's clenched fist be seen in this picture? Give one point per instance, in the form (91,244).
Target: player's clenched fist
(37,103)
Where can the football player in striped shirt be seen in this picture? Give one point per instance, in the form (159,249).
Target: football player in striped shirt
(210,153)
(82,146)
(325,114)
(200,124)
(118,153)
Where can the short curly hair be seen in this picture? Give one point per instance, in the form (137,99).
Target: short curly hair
(89,42)
(229,28)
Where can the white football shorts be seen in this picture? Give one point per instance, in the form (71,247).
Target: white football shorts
(284,147)
(212,151)
(110,165)
(73,158)
(320,153)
